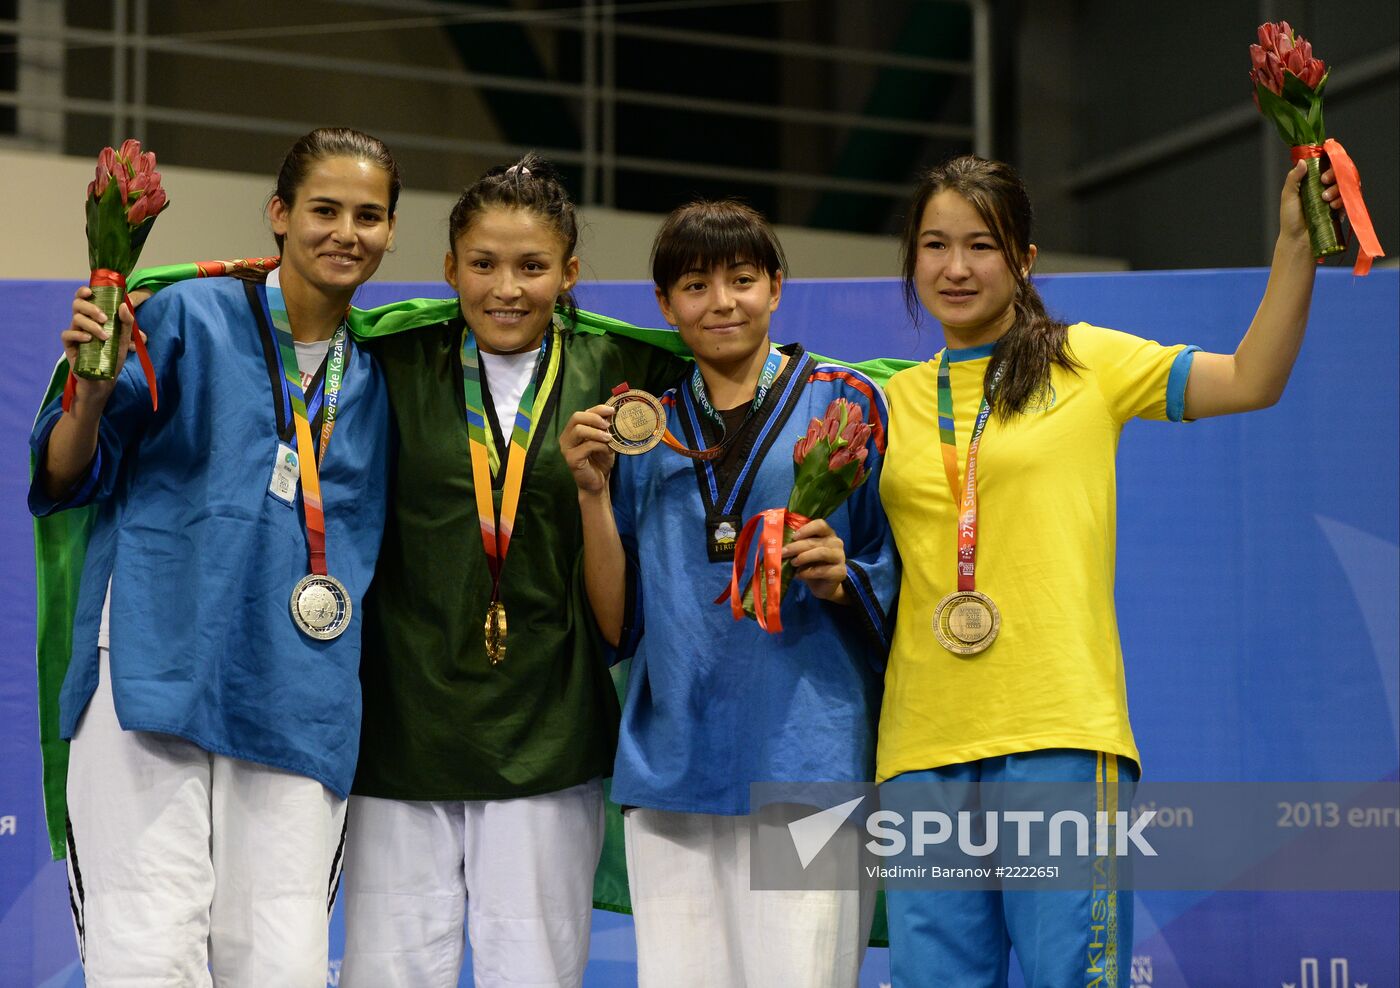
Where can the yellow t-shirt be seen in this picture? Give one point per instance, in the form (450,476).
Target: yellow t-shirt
(1047,517)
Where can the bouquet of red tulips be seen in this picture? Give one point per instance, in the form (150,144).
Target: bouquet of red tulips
(123,201)
(828,464)
(1288,83)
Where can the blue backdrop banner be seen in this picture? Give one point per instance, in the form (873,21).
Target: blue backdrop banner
(1257,592)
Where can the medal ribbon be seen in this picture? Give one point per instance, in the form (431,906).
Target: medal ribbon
(308,455)
(948,440)
(495,533)
(766,377)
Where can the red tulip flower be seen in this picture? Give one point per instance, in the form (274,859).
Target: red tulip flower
(123,200)
(1295,107)
(1281,50)
(828,464)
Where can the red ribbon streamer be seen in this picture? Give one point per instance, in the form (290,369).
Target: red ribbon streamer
(767,567)
(1349,185)
(106,278)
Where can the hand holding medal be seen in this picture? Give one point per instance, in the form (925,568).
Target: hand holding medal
(638,423)
(639,419)
(586,444)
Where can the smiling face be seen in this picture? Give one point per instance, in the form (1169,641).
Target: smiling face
(508,267)
(960,273)
(723,313)
(335,232)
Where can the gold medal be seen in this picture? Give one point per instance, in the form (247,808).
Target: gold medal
(321,606)
(496,632)
(966,622)
(638,422)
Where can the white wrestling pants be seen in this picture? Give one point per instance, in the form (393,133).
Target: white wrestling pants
(699,925)
(180,862)
(520,870)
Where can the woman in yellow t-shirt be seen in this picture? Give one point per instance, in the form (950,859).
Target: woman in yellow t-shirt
(1006,665)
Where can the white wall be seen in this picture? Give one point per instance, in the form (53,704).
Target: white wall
(216,215)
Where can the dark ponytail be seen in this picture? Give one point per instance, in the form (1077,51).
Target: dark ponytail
(1036,341)
(533,184)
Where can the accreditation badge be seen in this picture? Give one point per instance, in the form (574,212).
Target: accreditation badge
(286,470)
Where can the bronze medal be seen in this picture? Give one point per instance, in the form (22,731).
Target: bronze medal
(321,606)
(496,632)
(638,422)
(966,622)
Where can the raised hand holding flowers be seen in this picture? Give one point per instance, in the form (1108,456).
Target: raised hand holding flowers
(828,464)
(123,200)
(1288,83)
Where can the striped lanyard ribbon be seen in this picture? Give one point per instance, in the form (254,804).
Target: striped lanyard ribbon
(766,377)
(496,531)
(308,456)
(948,440)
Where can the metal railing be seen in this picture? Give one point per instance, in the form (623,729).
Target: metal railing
(596,96)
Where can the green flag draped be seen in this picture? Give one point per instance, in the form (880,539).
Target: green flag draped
(60,546)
